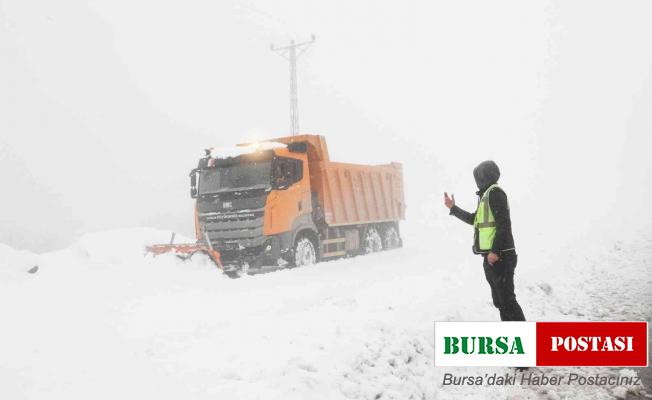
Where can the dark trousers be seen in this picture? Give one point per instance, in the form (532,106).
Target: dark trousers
(501,280)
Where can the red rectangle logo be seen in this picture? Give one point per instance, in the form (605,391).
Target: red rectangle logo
(608,344)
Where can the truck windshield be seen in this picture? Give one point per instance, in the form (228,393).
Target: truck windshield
(250,175)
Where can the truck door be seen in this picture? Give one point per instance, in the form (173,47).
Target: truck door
(290,197)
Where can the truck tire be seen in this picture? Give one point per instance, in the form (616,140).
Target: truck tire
(304,252)
(391,238)
(372,241)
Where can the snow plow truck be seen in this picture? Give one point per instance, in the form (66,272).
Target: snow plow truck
(283,203)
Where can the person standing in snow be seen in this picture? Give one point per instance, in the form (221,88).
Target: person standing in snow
(493,238)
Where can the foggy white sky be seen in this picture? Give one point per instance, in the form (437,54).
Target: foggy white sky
(106,105)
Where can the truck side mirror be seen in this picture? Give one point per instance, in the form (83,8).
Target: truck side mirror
(193,183)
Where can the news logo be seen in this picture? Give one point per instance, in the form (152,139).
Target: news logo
(538,344)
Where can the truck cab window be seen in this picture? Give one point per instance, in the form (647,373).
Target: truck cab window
(287,171)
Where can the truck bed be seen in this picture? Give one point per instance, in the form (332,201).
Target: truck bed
(352,194)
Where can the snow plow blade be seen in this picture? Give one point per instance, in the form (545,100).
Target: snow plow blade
(185,251)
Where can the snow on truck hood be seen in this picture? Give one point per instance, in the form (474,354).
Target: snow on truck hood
(235,151)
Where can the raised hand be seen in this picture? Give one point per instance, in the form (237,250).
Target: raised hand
(449,201)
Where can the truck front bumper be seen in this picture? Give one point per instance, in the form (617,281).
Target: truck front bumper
(257,256)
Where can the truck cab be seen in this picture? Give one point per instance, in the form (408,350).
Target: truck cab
(251,204)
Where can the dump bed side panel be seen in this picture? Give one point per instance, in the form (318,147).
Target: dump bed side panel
(358,194)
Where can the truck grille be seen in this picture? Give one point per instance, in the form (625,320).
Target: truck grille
(230,230)
(233,219)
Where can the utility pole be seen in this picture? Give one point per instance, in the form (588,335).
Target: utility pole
(291,53)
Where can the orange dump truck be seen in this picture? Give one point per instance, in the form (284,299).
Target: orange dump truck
(283,202)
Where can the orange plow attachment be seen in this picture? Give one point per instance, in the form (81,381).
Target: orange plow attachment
(185,250)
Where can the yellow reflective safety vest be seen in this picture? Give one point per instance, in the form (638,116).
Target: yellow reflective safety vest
(484,222)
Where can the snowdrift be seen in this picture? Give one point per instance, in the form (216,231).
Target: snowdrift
(100,319)
(15,263)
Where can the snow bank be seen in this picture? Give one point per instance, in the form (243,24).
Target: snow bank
(125,246)
(103,320)
(15,264)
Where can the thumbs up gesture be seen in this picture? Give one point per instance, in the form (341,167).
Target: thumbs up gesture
(449,202)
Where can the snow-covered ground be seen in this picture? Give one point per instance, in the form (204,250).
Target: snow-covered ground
(101,320)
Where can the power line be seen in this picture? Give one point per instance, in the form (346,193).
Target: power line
(291,53)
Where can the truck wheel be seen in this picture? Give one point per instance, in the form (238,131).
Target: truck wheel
(391,239)
(304,252)
(372,241)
